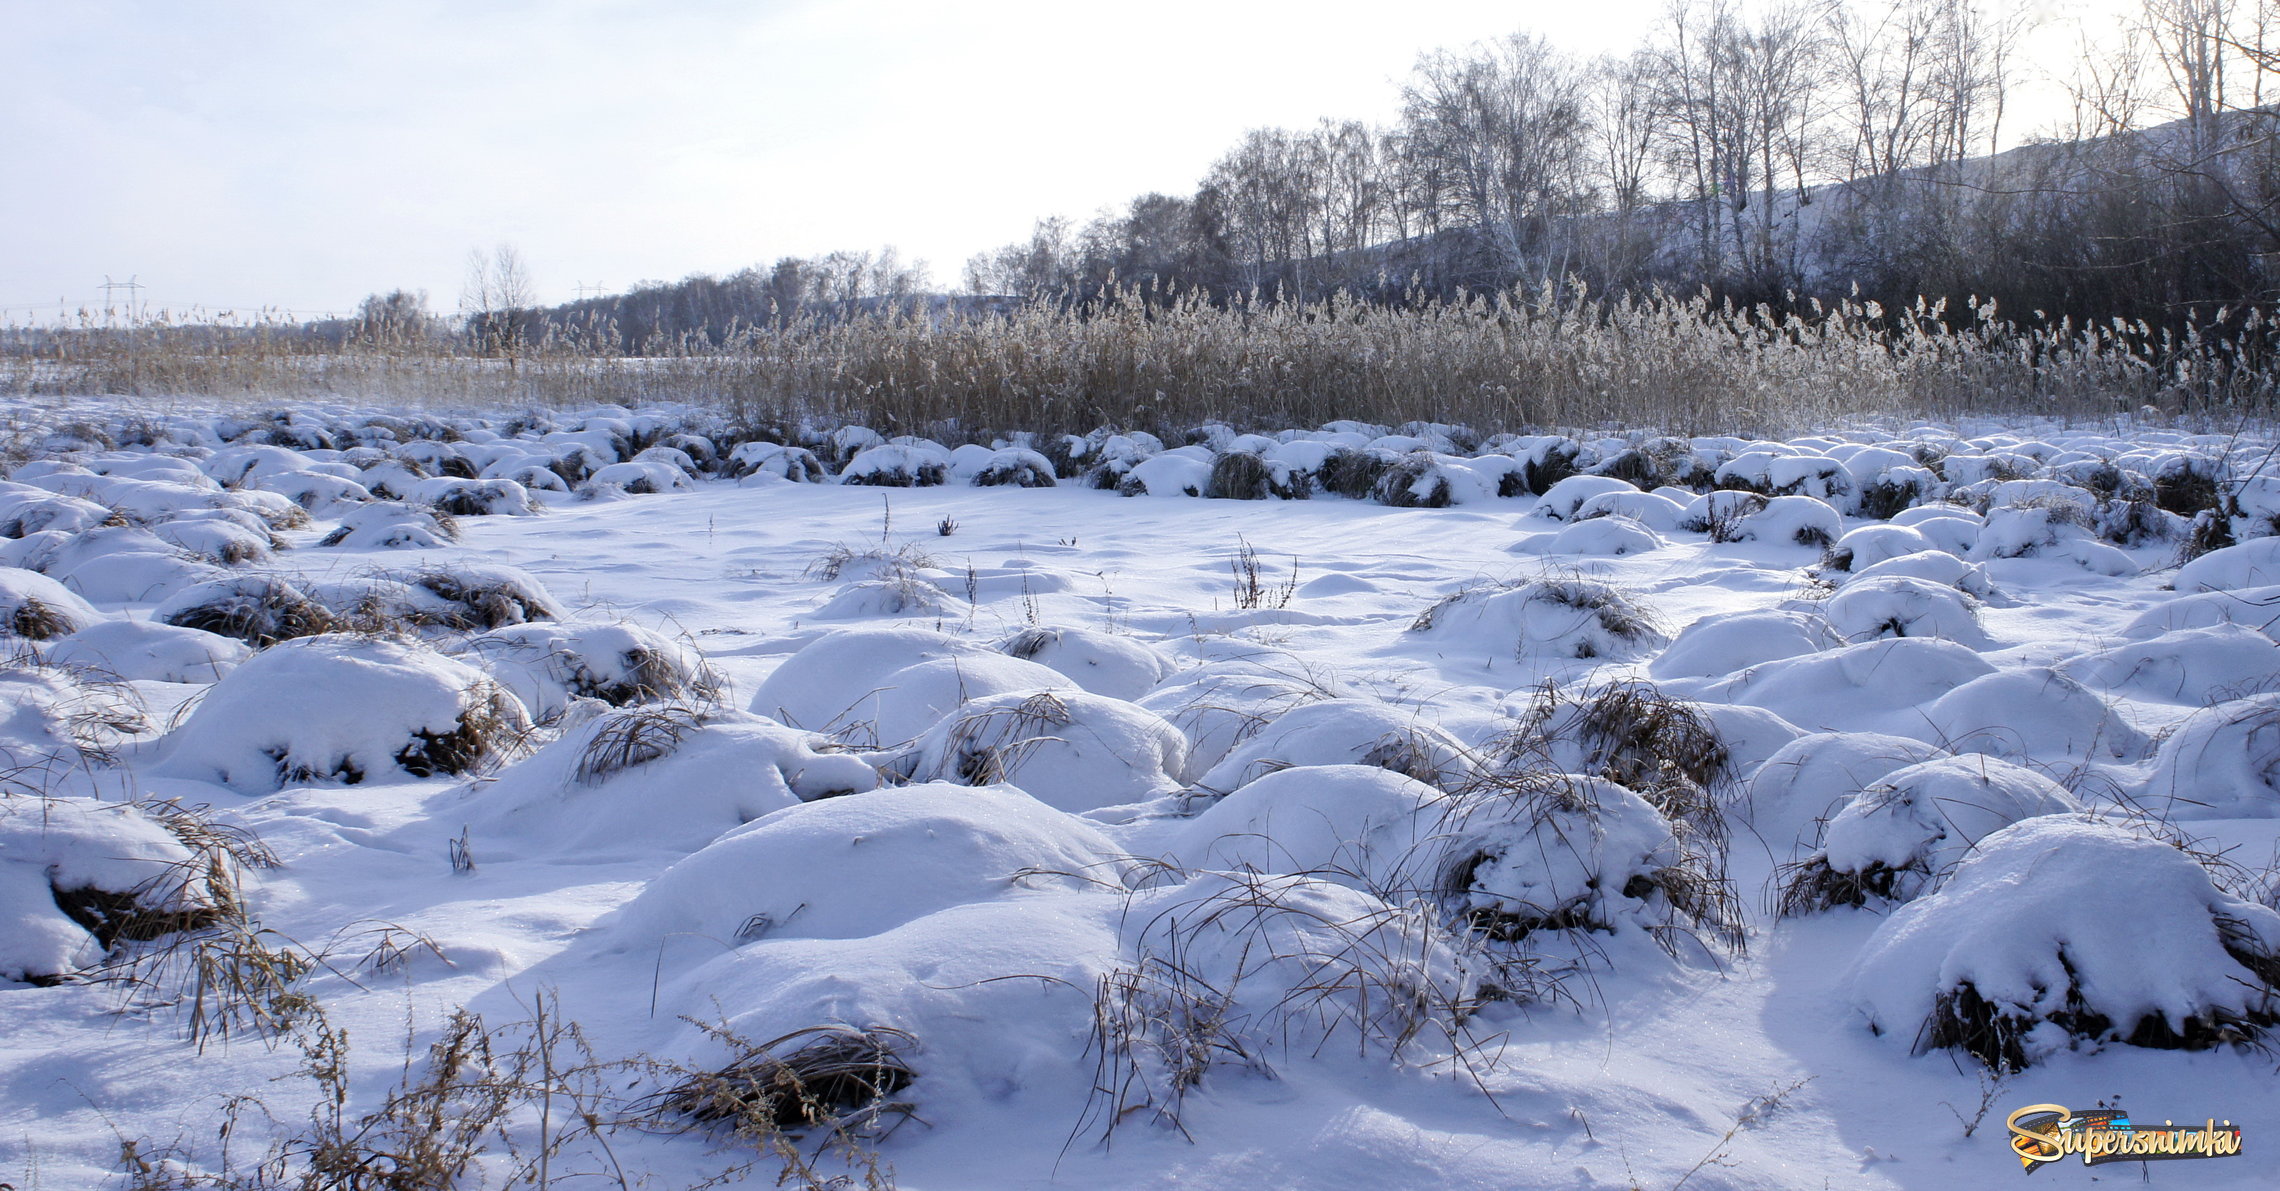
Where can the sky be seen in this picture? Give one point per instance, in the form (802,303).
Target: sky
(263,154)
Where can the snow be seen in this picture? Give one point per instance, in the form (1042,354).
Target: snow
(2061,907)
(765,754)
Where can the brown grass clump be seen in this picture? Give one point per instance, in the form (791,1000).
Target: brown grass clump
(634,736)
(255,609)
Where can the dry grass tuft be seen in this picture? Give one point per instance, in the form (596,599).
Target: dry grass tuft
(634,736)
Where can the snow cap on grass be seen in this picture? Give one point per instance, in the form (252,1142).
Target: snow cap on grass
(1072,750)
(547,666)
(1354,824)
(1344,732)
(2254,607)
(843,868)
(1870,685)
(1809,779)
(835,681)
(1788,521)
(1930,566)
(2030,712)
(1610,535)
(2058,932)
(1867,545)
(1219,705)
(55,719)
(256,609)
(1569,617)
(1103,663)
(77,876)
(657,777)
(2193,667)
(1564,500)
(1728,643)
(37,608)
(147,651)
(2222,762)
(1876,606)
(918,696)
(2253,563)
(391,525)
(1896,837)
(898,465)
(1544,851)
(343,709)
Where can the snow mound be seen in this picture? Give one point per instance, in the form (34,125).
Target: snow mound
(547,666)
(1222,704)
(1728,643)
(1103,663)
(2222,762)
(2253,607)
(2250,564)
(391,525)
(1876,606)
(37,608)
(844,868)
(259,610)
(343,709)
(1564,500)
(140,650)
(1344,732)
(2030,712)
(1353,824)
(1073,750)
(2058,932)
(2193,667)
(1566,852)
(78,877)
(1868,545)
(1807,780)
(657,776)
(1875,685)
(837,680)
(1788,521)
(1611,535)
(1557,617)
(1895,838)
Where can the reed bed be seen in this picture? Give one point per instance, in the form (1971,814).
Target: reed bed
(1509,361)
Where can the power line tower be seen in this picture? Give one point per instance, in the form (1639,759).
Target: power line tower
(596,290)
(110,287)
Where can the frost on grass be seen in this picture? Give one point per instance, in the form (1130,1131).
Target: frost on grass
(844,868)
(1561,617)
(1893,839)
(79,877)
(2061,933)
(344,709)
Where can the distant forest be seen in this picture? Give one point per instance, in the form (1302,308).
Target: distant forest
(1763,153)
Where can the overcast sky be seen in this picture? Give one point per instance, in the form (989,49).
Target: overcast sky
(234,154)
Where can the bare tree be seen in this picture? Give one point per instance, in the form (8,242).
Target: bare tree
(497,301)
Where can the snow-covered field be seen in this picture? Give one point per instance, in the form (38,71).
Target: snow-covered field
(1586,828)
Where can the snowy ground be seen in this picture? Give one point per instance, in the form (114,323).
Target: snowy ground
(1647,1039)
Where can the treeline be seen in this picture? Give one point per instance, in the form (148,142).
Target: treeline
(1801,147)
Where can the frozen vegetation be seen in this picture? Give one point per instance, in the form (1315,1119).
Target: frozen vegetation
(624,797)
